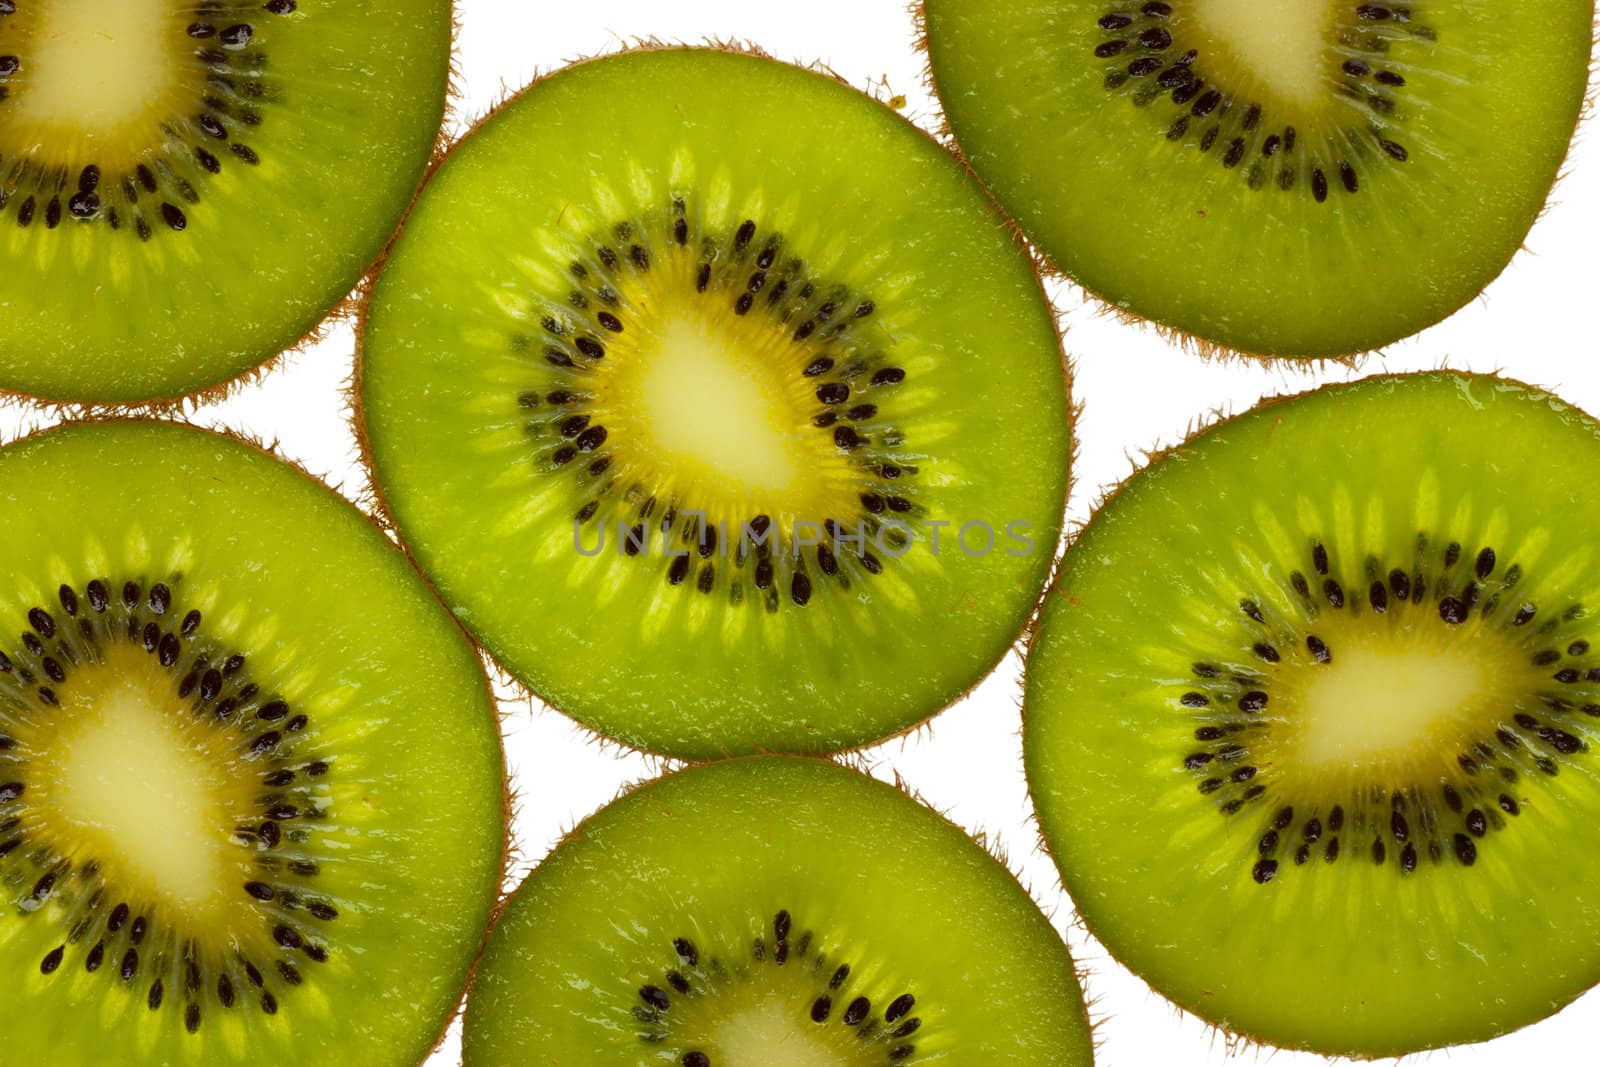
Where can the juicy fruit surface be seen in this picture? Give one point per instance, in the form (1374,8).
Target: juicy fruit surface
(1315,699)
(187,187)
(1282,178)
(739,331)
(250,779)
(720,918)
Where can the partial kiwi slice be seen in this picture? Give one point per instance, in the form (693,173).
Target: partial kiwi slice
(187,186)
(717,405)
(773,912)
(1278,177)
(251,793)
(1317,701)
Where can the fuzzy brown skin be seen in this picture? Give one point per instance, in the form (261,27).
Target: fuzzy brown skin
(1211,351)
(357,415)
(507,794)
(1236,1042)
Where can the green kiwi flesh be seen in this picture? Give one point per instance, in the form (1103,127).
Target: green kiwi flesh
(251,792)
(1313,715)
(723,433)
(188,186)
(773,912)
(1301,178)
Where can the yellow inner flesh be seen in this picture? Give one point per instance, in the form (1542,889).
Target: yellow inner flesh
(129,778)
(701,400)
(769,1031)
(765,1021)
(96,77)
(1394,700)
(710,406)
(1282,48)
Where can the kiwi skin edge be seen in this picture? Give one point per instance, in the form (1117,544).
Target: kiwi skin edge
(1205,349)
(508,793)
(1237,1042)
(383,514)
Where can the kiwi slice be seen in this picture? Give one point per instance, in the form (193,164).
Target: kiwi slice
(726,916)
(723,433)
(251,803)
(1317,700)
(187,186)
(1278,177)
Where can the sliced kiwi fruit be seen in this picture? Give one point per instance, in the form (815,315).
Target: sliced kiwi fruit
(187,186)
(723,432)
(1313,716)
(251,792)
(1304,178)
(773,911)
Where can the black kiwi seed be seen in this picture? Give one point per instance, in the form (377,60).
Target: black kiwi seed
(1399,584)
(1378,596)
(899,1008)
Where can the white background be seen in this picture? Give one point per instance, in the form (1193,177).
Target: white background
(1534,323)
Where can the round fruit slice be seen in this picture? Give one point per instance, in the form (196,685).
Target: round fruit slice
(186,188)
(1278,177)
(1317,698)
(251,805)
(723,433)
(773,912)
